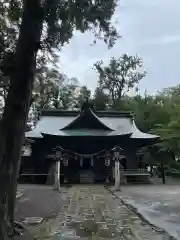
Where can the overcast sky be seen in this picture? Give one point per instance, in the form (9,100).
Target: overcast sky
(149,28)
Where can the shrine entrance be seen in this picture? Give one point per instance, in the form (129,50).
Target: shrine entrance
(86,163)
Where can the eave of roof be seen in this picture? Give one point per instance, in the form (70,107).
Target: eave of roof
(33,134)
(75,113)
(85,133)
(137,134)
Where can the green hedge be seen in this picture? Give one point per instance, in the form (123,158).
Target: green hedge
(175,165)
(173,173)
(174,170)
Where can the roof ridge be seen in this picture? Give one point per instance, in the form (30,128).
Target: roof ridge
(73,113)
(84,117)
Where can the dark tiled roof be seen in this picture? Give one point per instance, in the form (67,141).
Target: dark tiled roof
(56,122)
(73,113)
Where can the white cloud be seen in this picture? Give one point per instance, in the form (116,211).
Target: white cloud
(171,39)
(148,28)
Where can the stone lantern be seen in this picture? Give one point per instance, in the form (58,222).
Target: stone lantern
(27,147)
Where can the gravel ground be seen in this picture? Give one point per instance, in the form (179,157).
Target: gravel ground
(37,201)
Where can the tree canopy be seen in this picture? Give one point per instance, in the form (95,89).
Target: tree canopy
(119,76)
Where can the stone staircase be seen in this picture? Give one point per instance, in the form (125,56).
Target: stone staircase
(86,177)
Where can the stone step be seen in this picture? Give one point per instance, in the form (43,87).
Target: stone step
(86,177)
(86,180)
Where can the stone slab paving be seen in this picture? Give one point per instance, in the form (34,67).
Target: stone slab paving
(92,212)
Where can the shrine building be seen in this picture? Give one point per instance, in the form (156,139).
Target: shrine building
(87,138)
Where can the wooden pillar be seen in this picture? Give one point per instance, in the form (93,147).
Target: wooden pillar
(92,161)
(81,161)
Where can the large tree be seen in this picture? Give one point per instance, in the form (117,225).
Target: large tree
(169,126)
(43,25)
(100,99)
(119,76)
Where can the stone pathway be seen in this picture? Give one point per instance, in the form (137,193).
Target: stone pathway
(91,212)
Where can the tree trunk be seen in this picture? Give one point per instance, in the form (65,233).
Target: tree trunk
(11,199)
(16,109)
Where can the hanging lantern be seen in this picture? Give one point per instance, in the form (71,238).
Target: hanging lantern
(107,161)
(65,162)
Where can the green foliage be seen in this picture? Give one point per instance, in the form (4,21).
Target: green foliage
(119,76)
(169,128)
(63,17)
(60,21)
(173,173)
(100,100)
(175,165)
(83,95)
